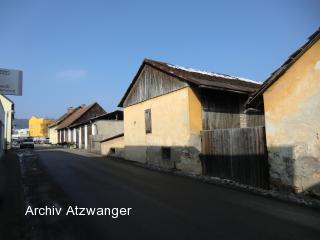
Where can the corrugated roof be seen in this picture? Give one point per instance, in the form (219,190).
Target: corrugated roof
(74,116)
(284,67)
(199,78)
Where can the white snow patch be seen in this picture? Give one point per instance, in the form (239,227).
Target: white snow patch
(213,74)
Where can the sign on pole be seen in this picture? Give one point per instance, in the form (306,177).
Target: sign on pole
(10,82)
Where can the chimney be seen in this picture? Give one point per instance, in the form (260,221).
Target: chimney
(70,109)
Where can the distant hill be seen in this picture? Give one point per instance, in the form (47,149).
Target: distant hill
(20,123)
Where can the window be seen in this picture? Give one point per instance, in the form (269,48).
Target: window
(147,117)
(166,153)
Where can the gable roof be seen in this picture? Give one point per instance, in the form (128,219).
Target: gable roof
(198,78)
(284,67)
(75,116)
(63,117)
(115,115)
(5,97)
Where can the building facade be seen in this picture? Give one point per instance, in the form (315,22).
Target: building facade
(291,99)
(113,146)
(68,135)
(20,133)
(166,107)
(8,107)
(38,127)
(96,129)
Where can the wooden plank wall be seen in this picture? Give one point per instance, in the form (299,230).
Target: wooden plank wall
(238,154)
(152,83)
(254,120)
(220,109)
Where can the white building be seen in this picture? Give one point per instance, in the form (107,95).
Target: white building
(20,133)
(8,107)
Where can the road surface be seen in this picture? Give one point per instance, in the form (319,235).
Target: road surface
(171,207)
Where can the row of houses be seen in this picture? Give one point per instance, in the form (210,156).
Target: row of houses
(85,126)
(210,123)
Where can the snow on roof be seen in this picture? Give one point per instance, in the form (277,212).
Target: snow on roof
(213,74)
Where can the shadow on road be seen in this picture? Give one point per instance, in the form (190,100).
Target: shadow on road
(40,191)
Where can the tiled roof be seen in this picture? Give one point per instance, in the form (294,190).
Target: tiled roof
(75,116)
(64,116)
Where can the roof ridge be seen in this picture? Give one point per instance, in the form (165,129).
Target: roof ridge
(203,72)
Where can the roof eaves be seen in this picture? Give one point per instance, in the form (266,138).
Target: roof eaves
(284,67)
(188,79)
(95,118)
(81,114)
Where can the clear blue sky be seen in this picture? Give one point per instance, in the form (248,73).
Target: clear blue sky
(75,52)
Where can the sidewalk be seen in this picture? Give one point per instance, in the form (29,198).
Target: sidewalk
(12,223)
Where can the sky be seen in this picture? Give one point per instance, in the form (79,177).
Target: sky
(79,52)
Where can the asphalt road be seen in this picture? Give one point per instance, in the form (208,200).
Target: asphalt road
(171,207)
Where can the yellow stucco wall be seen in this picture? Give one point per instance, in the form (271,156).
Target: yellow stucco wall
(174,117)
(195,113)
(176,123)
(114,143)
(38,127)
(292,114)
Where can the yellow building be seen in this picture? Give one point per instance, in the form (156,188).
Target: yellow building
(291,99)
(167,106)
(113,145)
(38,127)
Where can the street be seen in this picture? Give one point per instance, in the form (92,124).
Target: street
(165,206)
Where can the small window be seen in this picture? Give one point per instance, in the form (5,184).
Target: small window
(147,117)
(166,153)
(112,150)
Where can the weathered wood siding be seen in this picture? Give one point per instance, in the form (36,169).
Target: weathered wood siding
(152,83)
(255,119)
(221,109)
(238,154)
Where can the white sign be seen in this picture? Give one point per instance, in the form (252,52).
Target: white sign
(10,82)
